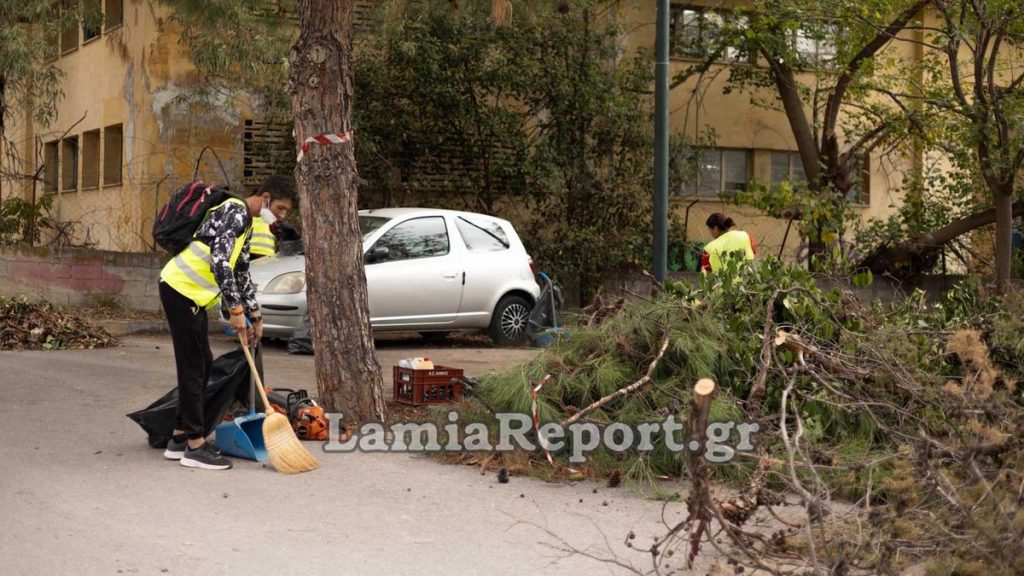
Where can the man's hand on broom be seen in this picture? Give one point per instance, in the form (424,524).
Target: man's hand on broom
(240,324)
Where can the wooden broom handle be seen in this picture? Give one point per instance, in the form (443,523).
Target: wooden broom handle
(256,375)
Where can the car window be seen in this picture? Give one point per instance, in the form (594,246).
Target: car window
(482,235)
(367,224)
(416,238)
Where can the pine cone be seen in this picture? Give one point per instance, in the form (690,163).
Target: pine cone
(503,476)
(615,479)
(766,497)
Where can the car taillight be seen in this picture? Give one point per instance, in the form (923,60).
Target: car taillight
(533,267)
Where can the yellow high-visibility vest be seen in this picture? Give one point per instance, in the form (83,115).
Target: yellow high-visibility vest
(728,243)
(263,241)
(189,271)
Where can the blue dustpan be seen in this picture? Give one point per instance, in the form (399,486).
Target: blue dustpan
(243,436)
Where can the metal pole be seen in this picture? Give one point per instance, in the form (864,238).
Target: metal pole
(660,215)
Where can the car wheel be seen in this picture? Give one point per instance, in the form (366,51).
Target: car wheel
(509,321)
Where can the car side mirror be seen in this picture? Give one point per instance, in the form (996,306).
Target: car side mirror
(377,253)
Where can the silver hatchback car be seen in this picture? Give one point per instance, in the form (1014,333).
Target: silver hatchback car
(427,270)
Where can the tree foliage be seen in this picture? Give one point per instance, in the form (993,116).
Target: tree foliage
(239,46)
(973,83)
(30,81)
(591,146)
(891,429)
(542,120)
(22,221)
(435,88)
(29,78)
(816,62)
(546,112)
(857,78)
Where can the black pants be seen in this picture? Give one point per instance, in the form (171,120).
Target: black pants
(192,356)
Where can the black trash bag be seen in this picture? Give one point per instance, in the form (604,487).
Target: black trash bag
(549,305)
(301,341)
(228,381)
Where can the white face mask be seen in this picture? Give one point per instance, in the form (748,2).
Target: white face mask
(266,214)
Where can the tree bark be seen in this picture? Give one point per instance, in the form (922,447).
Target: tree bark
(3,129)
(321,86)
(803,133)
(1004,239)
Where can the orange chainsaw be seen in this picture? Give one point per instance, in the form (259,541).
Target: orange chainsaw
(305,414)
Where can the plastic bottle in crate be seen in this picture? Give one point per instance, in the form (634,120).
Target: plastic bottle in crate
(416,363)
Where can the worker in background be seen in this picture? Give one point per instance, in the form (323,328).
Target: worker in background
(725,242)
(263,241)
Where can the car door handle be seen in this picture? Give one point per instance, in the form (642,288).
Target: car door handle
(449,276)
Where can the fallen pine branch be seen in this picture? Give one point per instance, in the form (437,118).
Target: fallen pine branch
(646,379)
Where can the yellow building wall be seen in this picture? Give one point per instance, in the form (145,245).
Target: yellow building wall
(135,75)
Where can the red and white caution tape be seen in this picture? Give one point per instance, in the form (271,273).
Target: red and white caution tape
(333,138)
(536,417)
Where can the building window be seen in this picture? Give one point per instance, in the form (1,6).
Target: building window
(69,164)
(817,46)
(114,13)
(113,158)
(91,159)
(787,167)
(69,36)
(718,170)
(50,166)
(92,19)
(860,192)
(695,32)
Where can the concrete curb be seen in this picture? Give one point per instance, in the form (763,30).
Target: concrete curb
(120,328)
(128,327)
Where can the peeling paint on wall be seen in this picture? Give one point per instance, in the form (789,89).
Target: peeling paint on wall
(171,109)
(130,117)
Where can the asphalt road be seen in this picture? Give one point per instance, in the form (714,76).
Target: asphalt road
(82,493)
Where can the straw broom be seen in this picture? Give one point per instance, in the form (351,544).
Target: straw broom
(287,454)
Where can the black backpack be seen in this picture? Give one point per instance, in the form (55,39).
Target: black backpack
(178,220)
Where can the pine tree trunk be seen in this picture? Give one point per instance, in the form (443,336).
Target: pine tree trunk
(348,372)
